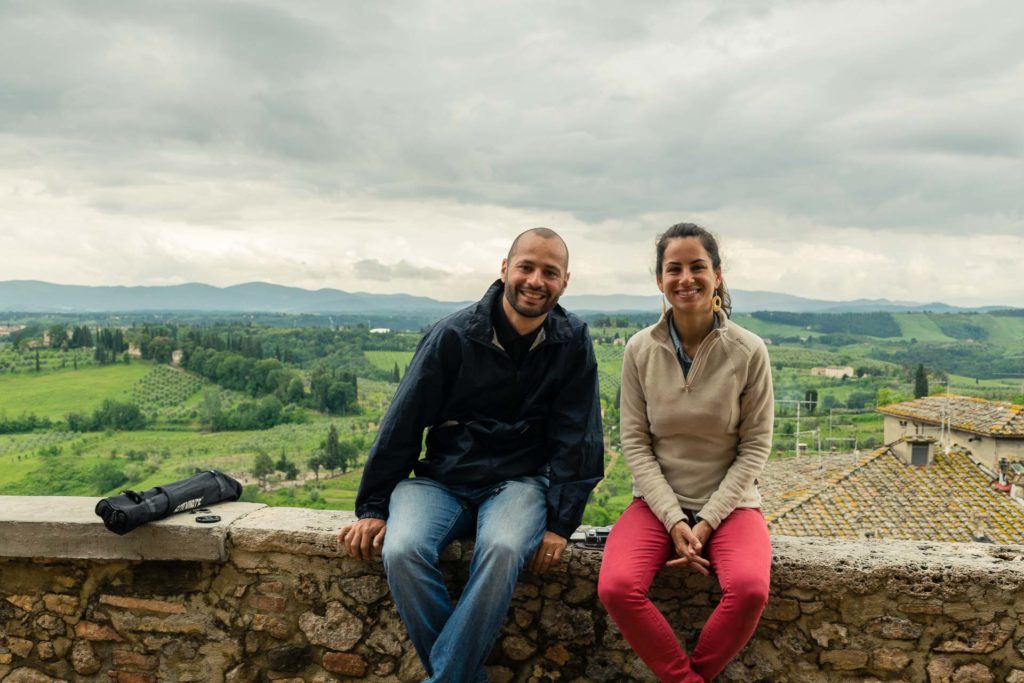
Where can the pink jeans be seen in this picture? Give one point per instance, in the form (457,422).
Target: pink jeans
(740,553)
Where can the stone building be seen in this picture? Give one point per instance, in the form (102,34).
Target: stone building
(833,371)
(990,430)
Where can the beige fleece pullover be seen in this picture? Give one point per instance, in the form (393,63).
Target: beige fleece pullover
(697,442)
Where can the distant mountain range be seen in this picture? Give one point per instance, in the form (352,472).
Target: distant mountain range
(33,296)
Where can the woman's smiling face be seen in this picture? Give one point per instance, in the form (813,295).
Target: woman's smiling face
(687,278)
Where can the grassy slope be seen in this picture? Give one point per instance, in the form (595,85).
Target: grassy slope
(57,393)
(919,326)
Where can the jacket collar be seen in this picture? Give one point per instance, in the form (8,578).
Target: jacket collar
(555,328)
(660,332)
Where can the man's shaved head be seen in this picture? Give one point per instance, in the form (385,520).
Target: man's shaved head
(544,233)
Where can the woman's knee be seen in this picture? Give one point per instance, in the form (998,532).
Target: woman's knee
(750,593)
(614,589)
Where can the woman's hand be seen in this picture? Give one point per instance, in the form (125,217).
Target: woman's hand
(689,545)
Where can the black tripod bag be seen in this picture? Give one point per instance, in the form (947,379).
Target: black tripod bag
(123,513)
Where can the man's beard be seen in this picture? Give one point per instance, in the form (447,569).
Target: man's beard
(543,309)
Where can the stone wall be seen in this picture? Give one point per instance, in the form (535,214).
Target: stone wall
(264,595)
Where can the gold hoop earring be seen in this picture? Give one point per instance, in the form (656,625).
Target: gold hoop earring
(716,303)
(663,309)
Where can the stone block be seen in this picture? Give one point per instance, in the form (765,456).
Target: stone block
(889,660)
(365,590)
(143,604)
(558,654)
(339,629)
(345,664)
(45,651)
(781,609)
(272,625)
(894,628)
(22,602)
(290,658)
(982,640)
(292,531)
(829,634)
(83,658)
(61,604)
(130,677)
(20,646)
(27,675)
(268,603)
(517,648)
(844,660)
(67,527)
(126,659)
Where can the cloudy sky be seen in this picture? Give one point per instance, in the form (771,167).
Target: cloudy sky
(840,149)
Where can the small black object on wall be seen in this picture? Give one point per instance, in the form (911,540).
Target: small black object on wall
(123,513)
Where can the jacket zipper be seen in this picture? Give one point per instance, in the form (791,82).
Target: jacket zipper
(698,356)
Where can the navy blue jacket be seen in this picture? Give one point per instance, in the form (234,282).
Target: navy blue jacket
(489,422)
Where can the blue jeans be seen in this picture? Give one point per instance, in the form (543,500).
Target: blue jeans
(508,520)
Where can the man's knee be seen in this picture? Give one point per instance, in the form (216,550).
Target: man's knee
(501,552)
(403,549)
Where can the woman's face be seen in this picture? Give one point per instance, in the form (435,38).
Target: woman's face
(687,278)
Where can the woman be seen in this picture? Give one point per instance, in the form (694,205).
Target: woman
(697,412)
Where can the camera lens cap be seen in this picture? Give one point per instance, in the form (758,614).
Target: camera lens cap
(207,519)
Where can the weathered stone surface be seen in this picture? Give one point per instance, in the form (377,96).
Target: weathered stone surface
(61,604)
(829,634)
(126,659)
(558,654)
(894,628)
(517,648)
(67,527)
(290,658)
(83,658)
(1016,676)
(973,673)
(193,619)
(345,664)
(385,641)
(566,623)
(142,604)
(987,638)
(782,609)
(889,659)
(130,677)
(20,646)
(23,602)
(93,631)
(26,675)
(365,589)
(845,660)
(339,629)
(272,625)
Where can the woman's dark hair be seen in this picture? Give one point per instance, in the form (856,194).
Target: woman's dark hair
(710,244)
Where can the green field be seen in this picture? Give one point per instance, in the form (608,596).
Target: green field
(55,394)
(386,360)
(921,327)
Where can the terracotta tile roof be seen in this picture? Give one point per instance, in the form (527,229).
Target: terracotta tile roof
(966,413)
(948,500)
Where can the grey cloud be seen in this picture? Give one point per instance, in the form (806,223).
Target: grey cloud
(372,269)
(840,115)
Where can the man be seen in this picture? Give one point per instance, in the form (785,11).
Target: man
(508,390)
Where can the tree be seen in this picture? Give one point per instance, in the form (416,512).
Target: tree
(262,467)
(315,462)
(395,376)
(296,391)
(348,455)
(811,399)
(332,453)
(920,381)
(286,466)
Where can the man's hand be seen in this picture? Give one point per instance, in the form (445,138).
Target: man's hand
(689,543)
(363,538)
(549,553)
